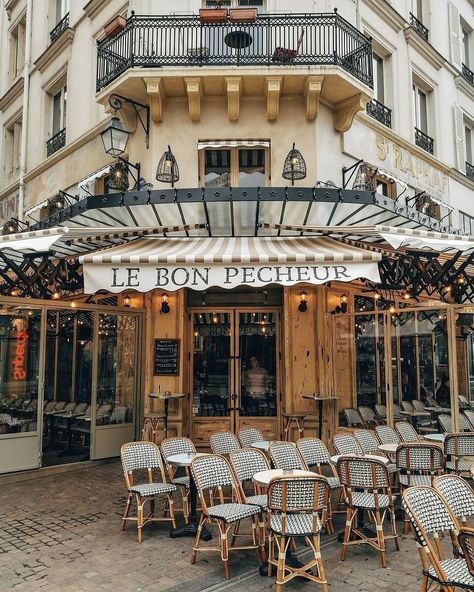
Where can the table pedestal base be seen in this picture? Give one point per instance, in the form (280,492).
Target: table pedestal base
(190,530)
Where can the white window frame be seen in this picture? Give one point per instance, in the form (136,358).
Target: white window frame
(17,48)
(234,163)
(417,92)
(62,94)
(468,137)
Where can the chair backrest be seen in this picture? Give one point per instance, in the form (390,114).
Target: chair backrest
(224,442)
(396,411)
(211,474)
(407,406)
(464,423)
(469,413)
(80,407)
(176,445)
(381,410)
(463,399)
(49,405)
(285,456)
(461,444)
(387,435)
(248,461)
(445,423)
(457,494)
(69,407)
(60,405)
(314,452)
(431,401)
(296,495)
(406,432)
(367,441)
(141,455)
(353,417)
(466,542)
(420,458)
(366,474)
(248,436)
(418,405)
(119,414)
(345,443)
(367,414)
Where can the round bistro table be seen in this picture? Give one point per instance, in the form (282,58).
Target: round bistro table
(166,396)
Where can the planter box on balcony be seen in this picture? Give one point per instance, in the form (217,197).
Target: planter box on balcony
(115,25)
(242,15)
(213,15)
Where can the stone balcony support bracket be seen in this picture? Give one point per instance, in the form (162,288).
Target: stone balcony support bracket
(313,88)
(233,85)
(273,90)
(346,110)
(194,92)
(157,96)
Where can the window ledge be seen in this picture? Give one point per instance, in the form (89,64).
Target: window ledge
(462,178)
(55,49)
(462,84)
(387,13)
(95,7)
(424,48)
(12,93)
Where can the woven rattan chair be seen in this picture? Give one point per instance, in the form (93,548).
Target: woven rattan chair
(368,415)
(138,456)
(345,443)
(285,455)
(418,405)
(381,411)
(179,445)
(387,435)
(466,542)
(465,423)
(469,413)
(353,417)
(431,519)
(245,463)
(406,432)
(367,488)
(248,436)
(407,406)
(456,448)
(316,456)
(224,442)
(396,412)
(446,423)
(212,473)
(370,445)
(297,507)
(457,494)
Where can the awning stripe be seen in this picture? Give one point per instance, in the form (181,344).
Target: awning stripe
(233,144)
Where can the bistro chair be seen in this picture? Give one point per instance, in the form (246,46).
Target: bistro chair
(370,445)
(463,400)
(469,413)
(297,419)
(298,509)
(316,456)
(406,432)
(353,417)
(285,456)
(211,474)
(396,412)
(49,406)
(424,424)
(368,415)
(179,445)
(456,448)
(248,436)
(381,411)
(466,542)
(138,456)
(224,442)
(418,405)
(345,443)
(387,435)
(457,494)
(407,406)
(431,519)
(446,423)
(367,488)
(151,424)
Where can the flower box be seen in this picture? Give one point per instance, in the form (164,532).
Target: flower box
(213,15)
(242,15)
(115,25)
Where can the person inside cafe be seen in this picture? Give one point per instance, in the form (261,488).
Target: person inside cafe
(408,388)
(442,392)
(255,384)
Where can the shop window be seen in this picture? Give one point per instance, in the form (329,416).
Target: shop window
(236,167)
(17,50)
(385,187)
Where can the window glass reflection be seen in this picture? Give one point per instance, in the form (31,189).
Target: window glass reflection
(252,168)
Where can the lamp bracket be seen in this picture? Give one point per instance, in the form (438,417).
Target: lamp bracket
(116,102)
(130,166)
(352,169)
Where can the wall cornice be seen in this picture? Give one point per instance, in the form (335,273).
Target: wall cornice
(387,13)
(461,178)
(424,48)
(467,88)
(54,50)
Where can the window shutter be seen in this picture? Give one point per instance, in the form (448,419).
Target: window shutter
(455,35)
(459,137)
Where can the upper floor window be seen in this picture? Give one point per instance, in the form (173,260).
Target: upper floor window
(421,100)
(62,9)
(466,50)
(17,49)
(463,127)
(379,85)
(57,118)
(468,142)
(61,19)
(12,143)
(234,167)
(419,17)
(466,222)
(59,110)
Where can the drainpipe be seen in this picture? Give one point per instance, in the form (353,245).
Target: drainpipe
(24,124)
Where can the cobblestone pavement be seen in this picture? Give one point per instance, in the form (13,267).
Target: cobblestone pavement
(61,533)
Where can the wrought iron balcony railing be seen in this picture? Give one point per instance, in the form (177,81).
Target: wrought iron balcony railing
(380,112)
(419,27)
(272,40)
(59,28)
(55,143)
(424,141)
(468,74)
(470,170)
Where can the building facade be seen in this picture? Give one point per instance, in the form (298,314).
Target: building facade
(374,96)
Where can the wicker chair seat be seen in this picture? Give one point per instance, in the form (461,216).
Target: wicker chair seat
(232,512)
(296,524)
(181,481)
(333,482)
(456,571)
(258,500)
(360,499)
(412,480)
(149,489)
(463,465)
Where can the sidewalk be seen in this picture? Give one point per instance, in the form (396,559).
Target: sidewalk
(62,534)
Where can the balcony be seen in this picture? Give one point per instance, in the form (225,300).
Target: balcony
(379,112)
(55,143)
(59,28)
(419,27)
(424,141)
(468,74)
(470,170)
(273,40)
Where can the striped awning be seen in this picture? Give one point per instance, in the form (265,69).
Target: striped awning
(199,263)
(233,144)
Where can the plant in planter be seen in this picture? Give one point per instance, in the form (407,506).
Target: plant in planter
(115,25)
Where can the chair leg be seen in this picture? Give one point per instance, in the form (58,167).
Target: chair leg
(185,506)
(320,566)
(271,543)
(347,531)
(394,527)
(140,503)
(126,511)
(380,537)
(424,584)
(261,535)
(224,545)
(202,519)
(171,509)
(281,563)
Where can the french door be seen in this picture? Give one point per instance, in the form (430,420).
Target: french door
(235,378)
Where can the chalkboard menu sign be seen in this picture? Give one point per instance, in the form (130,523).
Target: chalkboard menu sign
(166,360)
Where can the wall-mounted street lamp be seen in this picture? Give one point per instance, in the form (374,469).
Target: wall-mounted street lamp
(14,225)
(119,175)
(294,167)
(167,170)
(115,136)
(303,305)
(342,307)
(127,301)
(165,307)
(364,176)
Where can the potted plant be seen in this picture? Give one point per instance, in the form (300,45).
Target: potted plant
(213,15)
(242,15)
(115,25)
